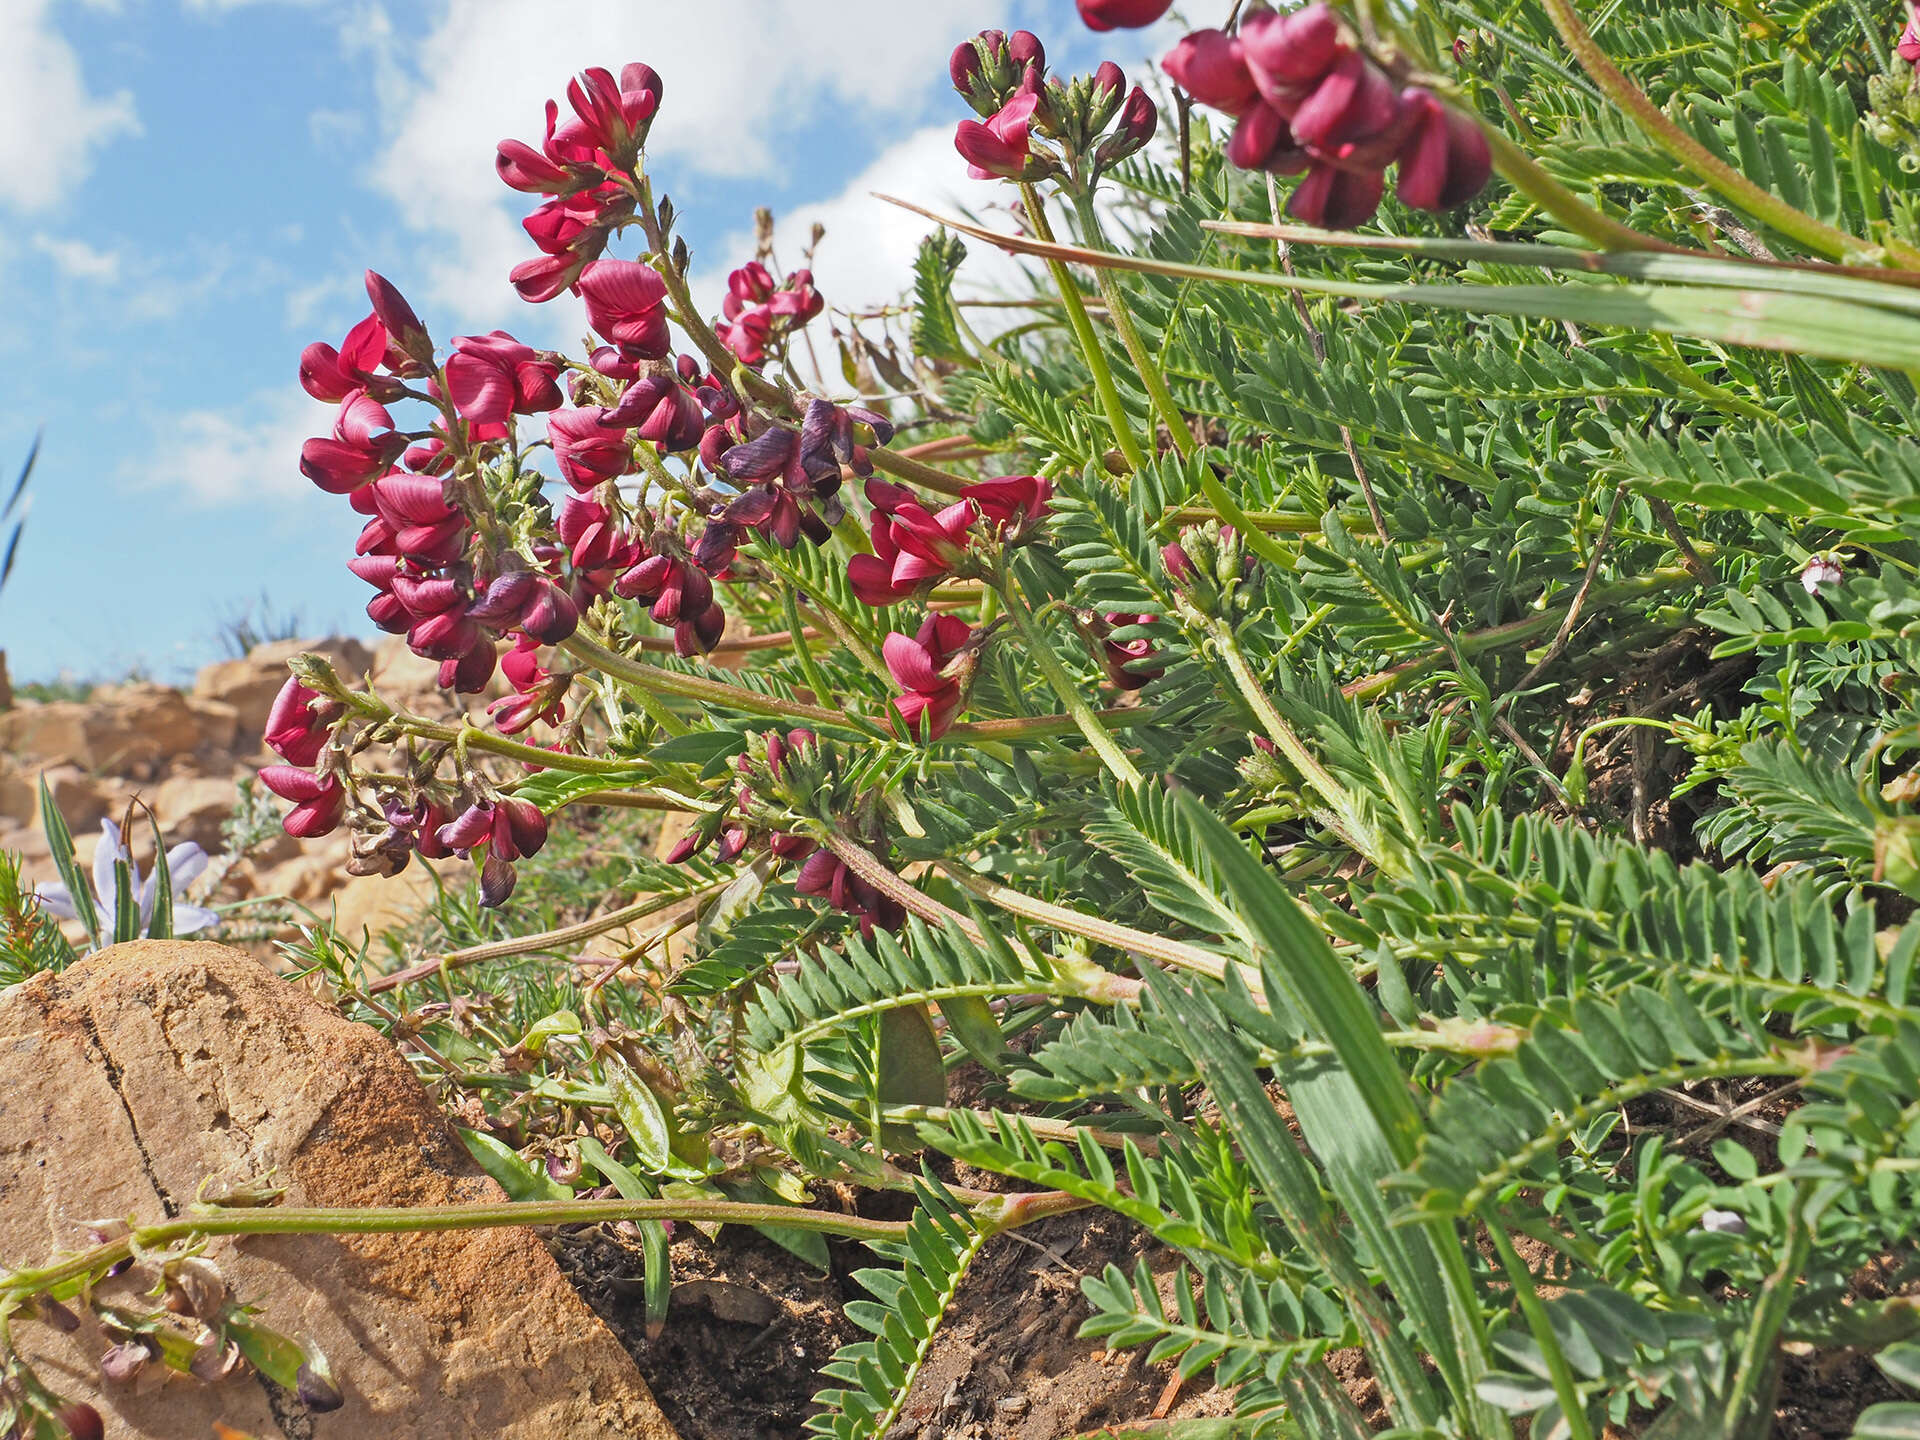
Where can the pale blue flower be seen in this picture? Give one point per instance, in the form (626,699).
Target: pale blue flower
(184,863)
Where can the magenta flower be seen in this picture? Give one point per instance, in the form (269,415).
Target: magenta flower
(1211,67)
(541,279)
(1009,502)
(493,377)
(364,444)
(1908,47)
(1353,102)
(918,665)
(403,327)
(662,411)
(1288,54)
(1336,199)
(588,447)
(296,729)
(1122,14)
(826,875)
(626,302)
(1000,147)
(1121,657)
(1262,140)
(332,375)
(1444,161)
(614,115)
(319,802)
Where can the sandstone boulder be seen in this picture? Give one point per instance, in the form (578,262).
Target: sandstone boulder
(250,684)
(129,1079)
(56,730)
(192,807)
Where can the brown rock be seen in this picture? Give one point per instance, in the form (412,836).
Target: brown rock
(249,685)
(131,728)
(191,807)
(398,673)
(129,1079)
(219,725)
(375,904)
(52,731)
(19,796)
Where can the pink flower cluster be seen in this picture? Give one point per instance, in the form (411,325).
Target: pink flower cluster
(760,316)
(1306,101)
(915,548)
(581,168)
(1005,80)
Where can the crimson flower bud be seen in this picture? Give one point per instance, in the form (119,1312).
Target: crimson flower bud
(468,674)
(551,616)
(1444,161)
(1139,118)
(497,879)
(397,315)
(1211,67)
(507,596)
(1179,564)
(523,824)
(1122,14)
(80,1420)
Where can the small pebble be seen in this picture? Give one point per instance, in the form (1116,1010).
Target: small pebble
(1012,1405)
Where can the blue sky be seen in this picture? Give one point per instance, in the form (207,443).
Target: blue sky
(190,190)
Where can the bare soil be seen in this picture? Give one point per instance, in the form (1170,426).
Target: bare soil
(750,1325)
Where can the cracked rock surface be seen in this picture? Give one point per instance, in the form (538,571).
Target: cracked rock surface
(132,1078)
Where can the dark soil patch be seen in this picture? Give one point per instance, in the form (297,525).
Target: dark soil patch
(751,1325)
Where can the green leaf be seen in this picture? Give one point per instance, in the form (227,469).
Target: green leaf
(655,1252)
(1901,1361)
(911,1069)
(520,1180)
(1891,1420)
(126,908)
(560,1022)
(161,926)
(60,843)
(643,1117)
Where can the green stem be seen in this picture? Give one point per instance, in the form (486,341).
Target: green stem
(1769,1315)
(1572,1408)
(1342,814)
(428,1219)
(473,738)
(1123,435)
(1525,175)
(545,940)
(1517,632)
(657,680)
(1041,652)
(1661,129)
(1122,317)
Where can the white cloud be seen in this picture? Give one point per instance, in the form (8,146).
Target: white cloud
(219,457)
(742,77)
(865,259)
(50,123)
(78,260)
